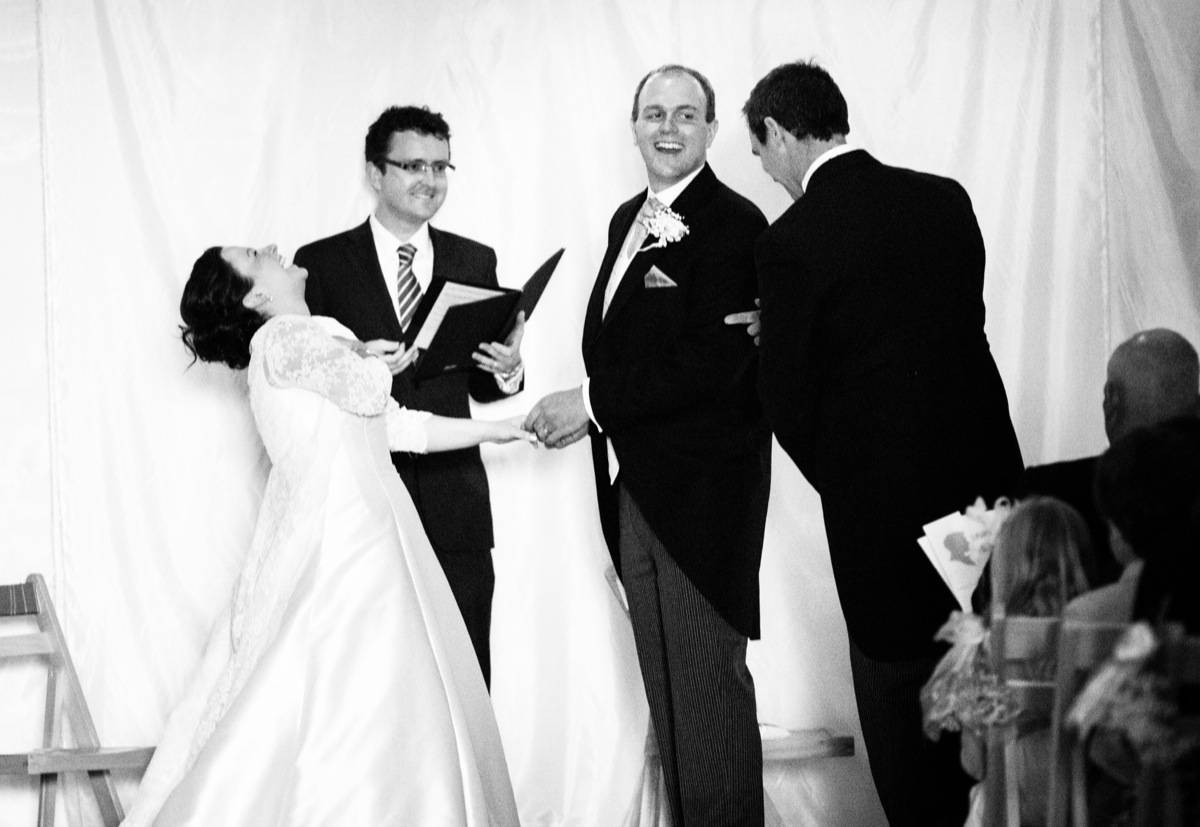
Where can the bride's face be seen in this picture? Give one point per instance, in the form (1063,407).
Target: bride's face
(274,282)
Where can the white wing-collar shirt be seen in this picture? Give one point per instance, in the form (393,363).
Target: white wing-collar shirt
(386,245)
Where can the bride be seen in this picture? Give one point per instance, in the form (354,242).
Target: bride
(340,686)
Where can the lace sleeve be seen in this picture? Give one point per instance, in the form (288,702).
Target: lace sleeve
(297,353)
(406,429)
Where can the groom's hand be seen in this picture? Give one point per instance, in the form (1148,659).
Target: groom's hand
(559,419)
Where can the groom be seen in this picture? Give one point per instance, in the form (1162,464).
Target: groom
(681,451)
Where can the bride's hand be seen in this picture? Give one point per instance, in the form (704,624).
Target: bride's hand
(511,430)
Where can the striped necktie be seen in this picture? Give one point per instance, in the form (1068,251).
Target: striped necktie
(408,292)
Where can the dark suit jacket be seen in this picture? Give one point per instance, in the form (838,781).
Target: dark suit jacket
(1071,481)
(674,389)
(450,488)
(876,376)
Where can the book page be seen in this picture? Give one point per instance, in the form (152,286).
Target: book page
(453,293)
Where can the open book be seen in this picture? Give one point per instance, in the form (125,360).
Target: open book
(453,317)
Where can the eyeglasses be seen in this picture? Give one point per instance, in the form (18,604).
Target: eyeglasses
(420,167)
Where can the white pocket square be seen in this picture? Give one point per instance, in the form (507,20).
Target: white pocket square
(657,278)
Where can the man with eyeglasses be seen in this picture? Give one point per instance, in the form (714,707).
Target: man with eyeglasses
(370,278)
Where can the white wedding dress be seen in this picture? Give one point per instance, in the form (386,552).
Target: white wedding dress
(340,686)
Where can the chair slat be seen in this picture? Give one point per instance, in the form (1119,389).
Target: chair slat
(38,762)
(89,760)
(18,599)
(1081,647)
(19,646)
(1020,647)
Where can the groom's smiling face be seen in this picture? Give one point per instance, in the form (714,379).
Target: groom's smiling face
(670,130)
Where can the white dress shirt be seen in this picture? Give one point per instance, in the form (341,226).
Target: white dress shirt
(666,197)
(386,245)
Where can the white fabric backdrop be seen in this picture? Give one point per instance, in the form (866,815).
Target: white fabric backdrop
(133,135)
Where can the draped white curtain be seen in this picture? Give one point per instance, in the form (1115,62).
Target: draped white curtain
(134,135)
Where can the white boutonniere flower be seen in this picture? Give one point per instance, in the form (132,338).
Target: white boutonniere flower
(665,225)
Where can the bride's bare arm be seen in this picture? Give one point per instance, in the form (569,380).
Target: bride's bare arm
(421,432)
(447,433)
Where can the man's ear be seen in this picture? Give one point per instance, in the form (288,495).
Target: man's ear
(374,176)
(774,130)
(1114,409)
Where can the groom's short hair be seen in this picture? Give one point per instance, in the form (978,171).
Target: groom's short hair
(802,98)
(710,96)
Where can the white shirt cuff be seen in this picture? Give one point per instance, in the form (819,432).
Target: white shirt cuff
(587,401)
(513,383)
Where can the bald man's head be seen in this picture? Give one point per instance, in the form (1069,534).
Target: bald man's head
(1153,376)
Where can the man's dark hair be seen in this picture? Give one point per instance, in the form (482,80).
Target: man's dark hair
(1146,483)
(802,98)
(419,119)
(710,97)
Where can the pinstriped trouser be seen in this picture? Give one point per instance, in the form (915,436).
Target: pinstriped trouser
(700,691)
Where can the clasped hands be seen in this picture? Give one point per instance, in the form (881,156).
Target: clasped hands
(559,419)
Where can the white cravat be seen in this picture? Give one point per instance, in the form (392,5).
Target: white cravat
(629,250)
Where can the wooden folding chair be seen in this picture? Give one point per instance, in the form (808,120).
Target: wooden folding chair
(32,599)
(1021,648)
(1081,648)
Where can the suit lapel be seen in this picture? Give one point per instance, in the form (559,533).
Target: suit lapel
(443,253)
(375,290)
(692,199)
(594,315)
(631,281)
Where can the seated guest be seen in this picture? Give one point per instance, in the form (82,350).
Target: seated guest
(1144,484)
(1152,377)
(1035,570)
(1148,488)
(1037,564)
(1149,485)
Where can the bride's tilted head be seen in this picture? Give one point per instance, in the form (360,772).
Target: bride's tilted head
(230,294)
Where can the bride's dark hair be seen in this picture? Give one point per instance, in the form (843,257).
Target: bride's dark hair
(217,327)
